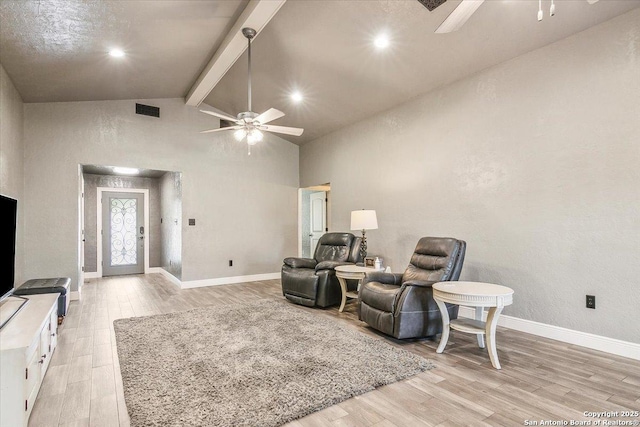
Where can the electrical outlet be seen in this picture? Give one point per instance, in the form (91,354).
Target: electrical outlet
(591,301)
(230,263)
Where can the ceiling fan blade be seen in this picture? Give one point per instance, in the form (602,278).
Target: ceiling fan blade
(219,129)
(282,129)
(222,116)
(268,116)
(459,16)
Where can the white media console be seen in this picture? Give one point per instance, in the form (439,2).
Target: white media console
(27,343)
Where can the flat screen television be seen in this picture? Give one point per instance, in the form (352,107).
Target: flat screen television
(9,213)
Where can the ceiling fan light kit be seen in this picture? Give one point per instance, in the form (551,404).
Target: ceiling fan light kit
(466,8)
(250,125)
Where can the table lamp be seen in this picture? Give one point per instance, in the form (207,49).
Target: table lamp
(364,220)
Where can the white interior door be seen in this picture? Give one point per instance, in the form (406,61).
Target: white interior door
(318,220)
(82,236)
(123,233)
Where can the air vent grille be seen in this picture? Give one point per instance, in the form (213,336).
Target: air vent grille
(147,110)
(432,4)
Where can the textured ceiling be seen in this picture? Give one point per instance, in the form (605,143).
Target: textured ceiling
(325,49)
(56,50)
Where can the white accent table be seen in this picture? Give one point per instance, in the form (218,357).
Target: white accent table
(355,272)
(478,295)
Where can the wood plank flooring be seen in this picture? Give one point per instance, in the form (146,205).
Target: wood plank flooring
(541,379)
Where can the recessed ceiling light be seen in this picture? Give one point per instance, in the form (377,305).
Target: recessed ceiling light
(116,53)
(296,96)
(382,41)
(126,171)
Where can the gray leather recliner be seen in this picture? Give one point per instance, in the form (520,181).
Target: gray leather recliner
(312,281)
(402,305)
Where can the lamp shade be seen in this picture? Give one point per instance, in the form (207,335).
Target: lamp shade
(364,220)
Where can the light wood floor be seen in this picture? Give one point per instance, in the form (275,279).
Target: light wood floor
(541,379)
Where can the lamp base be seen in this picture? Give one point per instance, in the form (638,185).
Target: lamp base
(363,247)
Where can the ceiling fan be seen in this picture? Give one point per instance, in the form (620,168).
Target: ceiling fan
(248,124)
(466,8)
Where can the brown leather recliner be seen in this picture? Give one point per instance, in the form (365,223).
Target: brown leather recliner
(312,281)
(402,305)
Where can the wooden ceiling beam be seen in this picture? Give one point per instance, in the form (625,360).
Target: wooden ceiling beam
(256,15)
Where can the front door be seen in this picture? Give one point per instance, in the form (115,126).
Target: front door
(123,233)
(318,220)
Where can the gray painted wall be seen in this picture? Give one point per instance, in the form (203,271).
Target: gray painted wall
(91,184)
(171,227)
(535,163)
(11,165)
(245,206)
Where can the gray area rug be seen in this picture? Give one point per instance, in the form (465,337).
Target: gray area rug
(255,364)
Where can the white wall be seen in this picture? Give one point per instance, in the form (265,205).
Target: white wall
(244,206)
(535,163)
(11,154)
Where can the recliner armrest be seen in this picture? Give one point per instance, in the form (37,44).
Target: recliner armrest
(421,283)
(330,265)
(300,262)
(382,277)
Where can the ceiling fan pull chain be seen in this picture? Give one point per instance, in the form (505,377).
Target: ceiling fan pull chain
(540,12)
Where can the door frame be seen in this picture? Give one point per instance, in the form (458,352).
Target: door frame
(76,295)
(145,193)
(322,187)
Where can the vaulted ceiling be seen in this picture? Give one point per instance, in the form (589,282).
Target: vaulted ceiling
(55,50)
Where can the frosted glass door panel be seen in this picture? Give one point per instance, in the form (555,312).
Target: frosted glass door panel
(123,233)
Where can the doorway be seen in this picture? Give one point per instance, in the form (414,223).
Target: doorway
(123,221)
(313,217)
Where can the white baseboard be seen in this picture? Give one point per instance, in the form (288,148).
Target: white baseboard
(96,275)
(229,280)
(75,296)
(213,282)
(173,279)
(570,336)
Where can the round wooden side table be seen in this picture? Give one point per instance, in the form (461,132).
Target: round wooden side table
(355,272)
(477,295)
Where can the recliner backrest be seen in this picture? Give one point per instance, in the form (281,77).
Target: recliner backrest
(334,247)
(354,256)
(436,259)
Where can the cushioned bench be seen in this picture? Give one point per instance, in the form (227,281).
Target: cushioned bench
(58,285)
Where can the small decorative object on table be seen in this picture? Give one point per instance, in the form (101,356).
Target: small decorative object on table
(374,262)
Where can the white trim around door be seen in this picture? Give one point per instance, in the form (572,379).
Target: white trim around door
(145,193)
